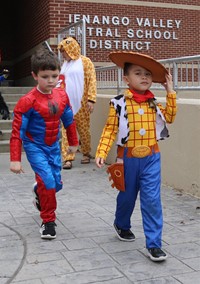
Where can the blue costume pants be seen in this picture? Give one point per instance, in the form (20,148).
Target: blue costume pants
(142,175)
(46,163)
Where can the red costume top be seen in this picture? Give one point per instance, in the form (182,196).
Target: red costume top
(37,119)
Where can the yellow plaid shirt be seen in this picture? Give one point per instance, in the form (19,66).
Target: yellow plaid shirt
(142,124)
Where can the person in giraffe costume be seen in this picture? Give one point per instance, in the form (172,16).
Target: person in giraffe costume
(78,77)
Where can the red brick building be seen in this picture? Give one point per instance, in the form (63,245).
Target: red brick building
(160,28)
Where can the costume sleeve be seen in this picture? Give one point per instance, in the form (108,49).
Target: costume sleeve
(21,116)
(69,124)
(108,135)
(90,79)
(170,110)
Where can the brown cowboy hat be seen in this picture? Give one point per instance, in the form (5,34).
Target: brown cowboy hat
(157,69)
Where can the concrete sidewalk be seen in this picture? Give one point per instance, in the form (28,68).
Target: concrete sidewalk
(86,249)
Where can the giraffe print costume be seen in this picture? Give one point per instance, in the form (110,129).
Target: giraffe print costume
(79,79)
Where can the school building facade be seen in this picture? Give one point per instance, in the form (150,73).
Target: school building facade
(160,28)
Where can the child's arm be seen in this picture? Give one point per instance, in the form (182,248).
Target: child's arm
(19,125)
(168,85)
(170,110)
(107,137)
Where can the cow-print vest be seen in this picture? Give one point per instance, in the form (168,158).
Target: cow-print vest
(119,103)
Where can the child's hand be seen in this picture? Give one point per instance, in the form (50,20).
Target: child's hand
(72,149)
(16,167)
(100,162)
(168,85)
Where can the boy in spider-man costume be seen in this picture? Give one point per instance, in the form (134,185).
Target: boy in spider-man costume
(36,124)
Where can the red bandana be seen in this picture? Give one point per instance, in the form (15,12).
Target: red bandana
(142,98)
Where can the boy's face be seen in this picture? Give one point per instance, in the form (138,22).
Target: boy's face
(47,80)
(138,79)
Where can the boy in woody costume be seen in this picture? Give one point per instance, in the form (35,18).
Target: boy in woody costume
(140,122)
(78,77)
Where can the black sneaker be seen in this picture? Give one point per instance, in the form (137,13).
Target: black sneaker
(48,231)
(124,235)
(156,254)
(36,200)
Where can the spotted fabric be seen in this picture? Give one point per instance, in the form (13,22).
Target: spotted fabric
(71,47)
(119,104)
(82,118)
(142,124)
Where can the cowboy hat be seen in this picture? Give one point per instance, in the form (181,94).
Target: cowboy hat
(157,69)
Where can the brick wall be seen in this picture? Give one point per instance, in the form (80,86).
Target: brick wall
(36,21)
(184,2)
(32,28)
(33,24)
(178,45)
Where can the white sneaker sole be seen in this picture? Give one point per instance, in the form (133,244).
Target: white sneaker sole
(46,237)
(155,259)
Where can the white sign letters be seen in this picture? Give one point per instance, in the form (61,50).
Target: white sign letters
(104,31)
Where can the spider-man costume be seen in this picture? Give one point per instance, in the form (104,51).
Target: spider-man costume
(37,123)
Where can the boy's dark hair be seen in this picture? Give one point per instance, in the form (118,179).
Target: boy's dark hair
(127,66)
(44,59)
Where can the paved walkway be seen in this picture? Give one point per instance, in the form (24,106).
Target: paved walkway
(86,249)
